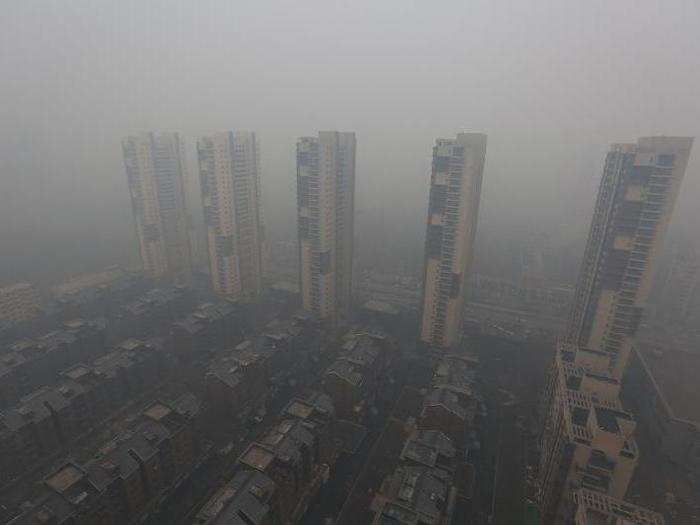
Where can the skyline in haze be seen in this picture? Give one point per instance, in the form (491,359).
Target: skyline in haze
(553,85)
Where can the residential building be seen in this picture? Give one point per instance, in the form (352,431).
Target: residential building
(317,412)
(210,326)
(430,448)
(238,378)
(587,439)
(637,194)
(453,209)
(156,171)
(47,420)
(229,171)
(19,302)
(325,219)
(126,474)
(415,494)
(289,454)
(250,497)
(31,363)
(352,380)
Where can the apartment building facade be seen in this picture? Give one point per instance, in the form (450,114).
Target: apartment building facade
(155,165)
(229,170)
(587,438)
(325,222)
(635,202)
(455,191)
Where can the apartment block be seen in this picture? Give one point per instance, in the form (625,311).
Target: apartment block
(453,209)
(156,171)
(587,438)
(208,327)
(415,494)
(47,420)
(229,170)
(325,222)
(250,497)
(637,194)
(289,454)
(352,379)
(238,378)
(28,364)
(19,302)
(126,474)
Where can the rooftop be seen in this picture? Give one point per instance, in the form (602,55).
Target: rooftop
(412,495)
(284,441)
(244,500)
(427,447)
(346,371)
(447,399)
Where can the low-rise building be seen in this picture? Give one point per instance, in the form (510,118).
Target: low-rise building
(153,309)
(416,495)
(289,454)
(352,380)
(207,327)
(250,497)
(126,475)
(237,377)
(430,448)
(444,410)
(317,413)
(28,364)
(45,421)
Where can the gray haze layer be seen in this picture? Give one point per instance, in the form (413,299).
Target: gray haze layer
(551,82)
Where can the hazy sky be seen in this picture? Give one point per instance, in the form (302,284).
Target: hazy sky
(551,82)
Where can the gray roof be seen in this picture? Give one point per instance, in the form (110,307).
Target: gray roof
(413,495)
(346,371)
(244,500)
(446,398)
(34,407)
(427,446)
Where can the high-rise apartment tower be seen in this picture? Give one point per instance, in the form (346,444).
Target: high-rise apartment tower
(229,169)
(453,209)
(635,202)
(587,438)
(156,171)
(325,216)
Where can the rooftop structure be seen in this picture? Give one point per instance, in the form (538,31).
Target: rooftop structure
(430,448)
(247,498)
(414,495)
